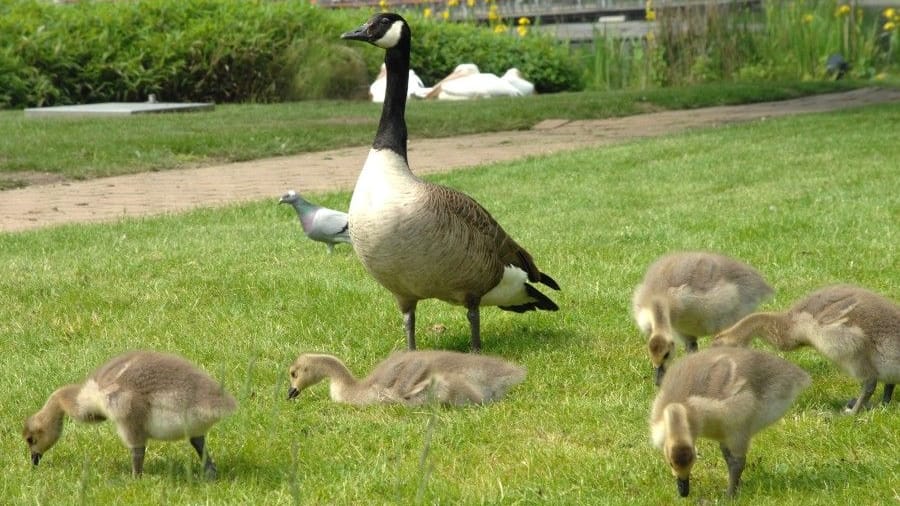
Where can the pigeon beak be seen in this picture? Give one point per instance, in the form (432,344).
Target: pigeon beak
(660,372)
(35,458)
(684,487)
(361,33)
(292,393)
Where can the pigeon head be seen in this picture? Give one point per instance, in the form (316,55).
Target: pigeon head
(290,197)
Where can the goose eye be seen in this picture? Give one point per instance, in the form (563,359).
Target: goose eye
(667,355)
(293,374)
(29,440)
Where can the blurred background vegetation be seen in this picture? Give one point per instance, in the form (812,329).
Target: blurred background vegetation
(271,51)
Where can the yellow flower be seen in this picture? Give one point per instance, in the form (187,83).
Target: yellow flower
(523,21)
(889,26)
(492,14)
(452,3)
(470,3)
(427,12)
(650,15)
(889,13)
(842,10)
(523,30)
(383,4)
(501,28)
(445,15)
(808,18)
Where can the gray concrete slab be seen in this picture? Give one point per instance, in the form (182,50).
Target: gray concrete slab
(117,109)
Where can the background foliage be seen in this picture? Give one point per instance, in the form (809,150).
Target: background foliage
(230,50)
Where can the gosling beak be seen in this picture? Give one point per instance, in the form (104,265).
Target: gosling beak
(684,487)
(35,458)
(660,372)
(293,392)
(360,33)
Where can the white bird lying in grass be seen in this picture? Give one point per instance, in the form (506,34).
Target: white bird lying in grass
(319,223)
(414,88)
(467,82)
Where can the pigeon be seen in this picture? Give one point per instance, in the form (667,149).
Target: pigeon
(836,66)
(319,223)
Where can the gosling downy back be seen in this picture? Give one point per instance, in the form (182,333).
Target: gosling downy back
(857,329)
(411,378)
(685,295)
(725,394)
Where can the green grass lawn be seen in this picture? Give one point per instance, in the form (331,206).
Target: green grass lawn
(96,147)
(807,200)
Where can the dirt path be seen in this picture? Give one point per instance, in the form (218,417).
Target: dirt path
(173,191)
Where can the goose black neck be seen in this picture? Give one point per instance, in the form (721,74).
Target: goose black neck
(392,127)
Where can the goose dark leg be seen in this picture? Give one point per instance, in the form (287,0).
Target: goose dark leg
(888,393)
(868,388)
(199,444)
(735,469)
(137,461)
(409,321)
(474,315)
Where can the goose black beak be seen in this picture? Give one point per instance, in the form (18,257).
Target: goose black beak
(361,33)
(293,392)
(35,458)
(658,377)
(684,487)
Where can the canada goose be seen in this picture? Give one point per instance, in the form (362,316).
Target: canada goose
(148,395)
(514,77)
(319,223)
(855,328)
(685,295)
(724,394)
(410,377)
(376,89)
(421,240)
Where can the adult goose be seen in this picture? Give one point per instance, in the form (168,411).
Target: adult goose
(422,240)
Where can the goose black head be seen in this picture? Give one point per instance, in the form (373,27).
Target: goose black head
(385,30)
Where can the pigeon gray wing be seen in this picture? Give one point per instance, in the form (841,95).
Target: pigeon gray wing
(331,225)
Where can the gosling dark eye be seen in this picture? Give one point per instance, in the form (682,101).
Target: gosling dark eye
(667,355)
(29,440)
(293,374)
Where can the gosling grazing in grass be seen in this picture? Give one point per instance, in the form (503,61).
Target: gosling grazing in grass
(855,328)
(411,378)
(425,241)
(148,395)
(685,295)
(724,394)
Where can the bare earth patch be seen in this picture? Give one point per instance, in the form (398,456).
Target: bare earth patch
(21,179)
(47,203)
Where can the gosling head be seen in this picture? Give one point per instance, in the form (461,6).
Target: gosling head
(304,372)
(662,352)
(41,435)
(681,458)
(385,30)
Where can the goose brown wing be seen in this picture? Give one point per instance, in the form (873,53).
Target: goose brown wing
(485,233)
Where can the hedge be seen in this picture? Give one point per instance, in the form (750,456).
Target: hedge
(231,51)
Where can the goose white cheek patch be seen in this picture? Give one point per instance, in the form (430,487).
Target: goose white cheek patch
(391,37)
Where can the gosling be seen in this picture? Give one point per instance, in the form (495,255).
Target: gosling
(724,394)
(855,328)
(411,378)
(685,295)
(148,395)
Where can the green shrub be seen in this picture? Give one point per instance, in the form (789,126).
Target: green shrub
(228,51)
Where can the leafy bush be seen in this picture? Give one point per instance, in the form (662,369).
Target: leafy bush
(227,51)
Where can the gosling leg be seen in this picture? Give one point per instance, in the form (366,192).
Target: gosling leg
(868,388)
(735,469)
(137,461)
(199,444)
(888,393)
